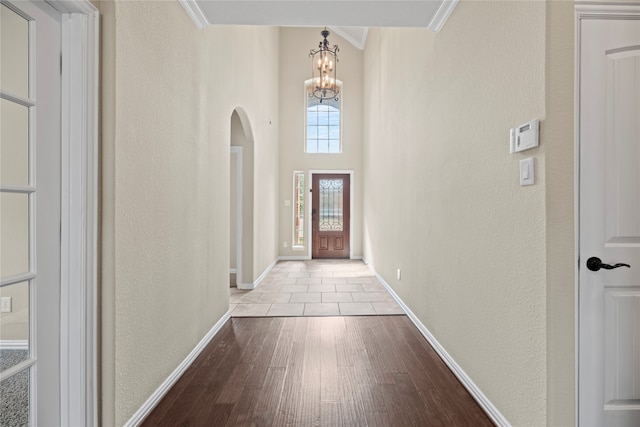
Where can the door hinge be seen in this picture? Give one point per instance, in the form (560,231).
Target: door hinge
(60,64)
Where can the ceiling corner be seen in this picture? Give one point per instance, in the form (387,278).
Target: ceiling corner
(357,36)
(194,11)
(440,18)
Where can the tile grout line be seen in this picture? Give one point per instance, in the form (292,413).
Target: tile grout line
(349,282)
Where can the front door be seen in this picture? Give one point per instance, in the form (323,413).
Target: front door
(330,215)
(609,252)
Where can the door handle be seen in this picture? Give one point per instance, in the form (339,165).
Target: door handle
(595,264)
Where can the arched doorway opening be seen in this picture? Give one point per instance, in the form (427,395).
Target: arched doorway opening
(241,201)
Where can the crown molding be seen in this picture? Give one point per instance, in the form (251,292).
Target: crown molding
(358,43)
(441,16)
(73,6)
(194,11)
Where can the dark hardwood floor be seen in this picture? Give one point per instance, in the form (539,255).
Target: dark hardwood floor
(318,371)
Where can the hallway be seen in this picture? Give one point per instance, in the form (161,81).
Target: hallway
(332,287)
(318,371)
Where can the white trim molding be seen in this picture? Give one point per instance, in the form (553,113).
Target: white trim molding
(357,36)
(600,9)
(79,207)
(442,15)
(293,258)
(249,286)
(14,344)
(237,150)
(576,212)
(265,272)
(462,376)
(146,408)
(306,258)
(195,13)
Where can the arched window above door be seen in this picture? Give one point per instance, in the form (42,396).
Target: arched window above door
(323,120)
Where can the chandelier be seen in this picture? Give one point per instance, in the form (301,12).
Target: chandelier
(324,62)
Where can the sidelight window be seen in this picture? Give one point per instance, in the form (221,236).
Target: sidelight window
(298,209)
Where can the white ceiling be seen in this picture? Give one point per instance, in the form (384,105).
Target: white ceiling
(348,18)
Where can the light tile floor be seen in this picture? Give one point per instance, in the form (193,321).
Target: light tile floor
(315,288)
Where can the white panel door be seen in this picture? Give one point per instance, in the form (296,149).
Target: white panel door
(609,143)
(30,213)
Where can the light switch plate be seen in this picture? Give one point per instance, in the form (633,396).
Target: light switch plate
(526,172)
(5,305)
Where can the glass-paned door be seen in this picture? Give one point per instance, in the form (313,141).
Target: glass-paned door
(330,215)
(29,212)
(17,198)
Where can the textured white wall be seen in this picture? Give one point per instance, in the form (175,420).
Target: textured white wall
(295,44)
(168,94)
(442,196)
(558,137)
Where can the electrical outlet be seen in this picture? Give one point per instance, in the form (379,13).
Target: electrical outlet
(285,245)
(5,305)
(399,274)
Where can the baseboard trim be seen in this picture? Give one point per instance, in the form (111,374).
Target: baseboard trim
(293,258)
(157,395)
(307,258)
(462,376)
(250,286)
(14,344)
(265,272)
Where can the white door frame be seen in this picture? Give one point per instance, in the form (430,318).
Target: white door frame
(351,189)
(585,10)
(237,150)
(79,208)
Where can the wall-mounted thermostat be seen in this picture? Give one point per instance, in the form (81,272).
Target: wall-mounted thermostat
(524,136)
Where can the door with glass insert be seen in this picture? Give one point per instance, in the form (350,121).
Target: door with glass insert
(330,215)
(29,214)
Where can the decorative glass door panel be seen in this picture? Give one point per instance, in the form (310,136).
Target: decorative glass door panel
(331,204)
(330,215)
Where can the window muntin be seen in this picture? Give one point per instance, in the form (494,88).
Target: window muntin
(298,209)
(323,123)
